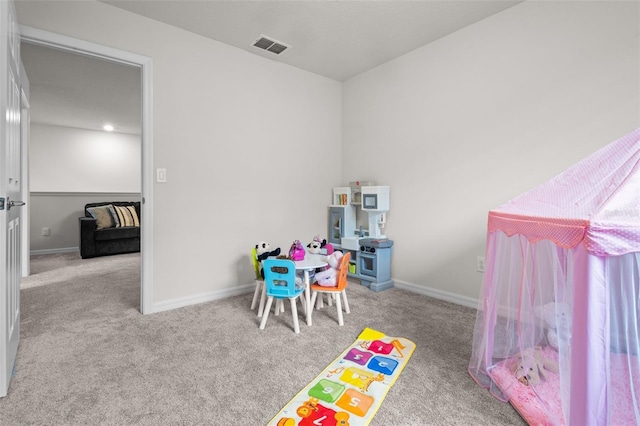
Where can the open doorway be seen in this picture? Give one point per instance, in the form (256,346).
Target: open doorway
(68,132)
(73,97)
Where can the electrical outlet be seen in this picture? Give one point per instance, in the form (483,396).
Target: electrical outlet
(480,263)
(46,232)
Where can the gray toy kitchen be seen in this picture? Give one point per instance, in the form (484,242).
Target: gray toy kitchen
(357,218)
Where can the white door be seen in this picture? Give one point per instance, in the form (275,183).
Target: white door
(10,192)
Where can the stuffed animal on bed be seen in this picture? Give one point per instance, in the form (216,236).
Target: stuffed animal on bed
(532,366)
(327,278)
(263,252)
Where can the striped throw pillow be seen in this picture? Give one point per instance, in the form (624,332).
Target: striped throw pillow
(134,215)
(127,216)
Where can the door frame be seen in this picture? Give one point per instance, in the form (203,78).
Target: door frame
(25,134)
(61,42)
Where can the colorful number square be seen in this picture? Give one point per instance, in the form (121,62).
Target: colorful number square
(355,376)
(380,347)
(383,364)
(323,416)
(326,390)
(358,356)
(355,402)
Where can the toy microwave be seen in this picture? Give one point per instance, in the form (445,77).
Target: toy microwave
(375,198)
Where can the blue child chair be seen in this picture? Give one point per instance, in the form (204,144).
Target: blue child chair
(280,284)
(259,293)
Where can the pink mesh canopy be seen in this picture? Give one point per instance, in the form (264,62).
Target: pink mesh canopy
(596,202)
(562,281)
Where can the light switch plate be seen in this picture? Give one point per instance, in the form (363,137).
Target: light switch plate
(161,175)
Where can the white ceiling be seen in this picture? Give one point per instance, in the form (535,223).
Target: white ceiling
(73,90)
(336,39)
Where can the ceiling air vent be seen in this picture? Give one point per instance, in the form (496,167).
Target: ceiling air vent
(270,45)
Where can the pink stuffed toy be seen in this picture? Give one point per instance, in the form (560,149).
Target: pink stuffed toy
(296,252)
(327,278)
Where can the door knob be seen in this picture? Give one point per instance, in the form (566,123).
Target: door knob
(14,204)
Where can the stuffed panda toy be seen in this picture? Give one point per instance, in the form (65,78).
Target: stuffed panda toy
(263,252)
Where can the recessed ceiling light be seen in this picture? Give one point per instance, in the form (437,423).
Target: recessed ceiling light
(108,127)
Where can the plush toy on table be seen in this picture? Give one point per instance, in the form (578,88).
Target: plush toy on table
(263,252)
(296,251)
(317,244)
(327,278)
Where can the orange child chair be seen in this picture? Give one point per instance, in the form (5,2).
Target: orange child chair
(339,289)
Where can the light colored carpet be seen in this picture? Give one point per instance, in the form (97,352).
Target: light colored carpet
(88,357)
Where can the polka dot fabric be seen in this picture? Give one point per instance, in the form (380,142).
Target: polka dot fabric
(595,202)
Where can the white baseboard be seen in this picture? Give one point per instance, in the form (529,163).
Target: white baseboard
(210,296)
(437,294)
(247,288)
(181,302)
(54,251)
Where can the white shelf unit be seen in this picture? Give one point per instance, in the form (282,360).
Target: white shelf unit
(342,216)
(341,196)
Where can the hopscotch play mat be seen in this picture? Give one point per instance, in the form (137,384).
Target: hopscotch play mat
(351,389)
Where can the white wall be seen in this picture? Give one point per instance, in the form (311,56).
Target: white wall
(455,128)
(236,133)
(466,123)
(64,159)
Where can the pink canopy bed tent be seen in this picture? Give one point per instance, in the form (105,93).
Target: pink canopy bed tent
(557,332)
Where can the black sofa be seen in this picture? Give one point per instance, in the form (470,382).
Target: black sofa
(109,240)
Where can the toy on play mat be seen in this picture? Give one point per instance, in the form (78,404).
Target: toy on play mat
(350,390)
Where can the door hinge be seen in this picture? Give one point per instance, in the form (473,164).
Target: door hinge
(1,203)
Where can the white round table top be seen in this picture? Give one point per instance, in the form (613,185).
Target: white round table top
(311,261)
